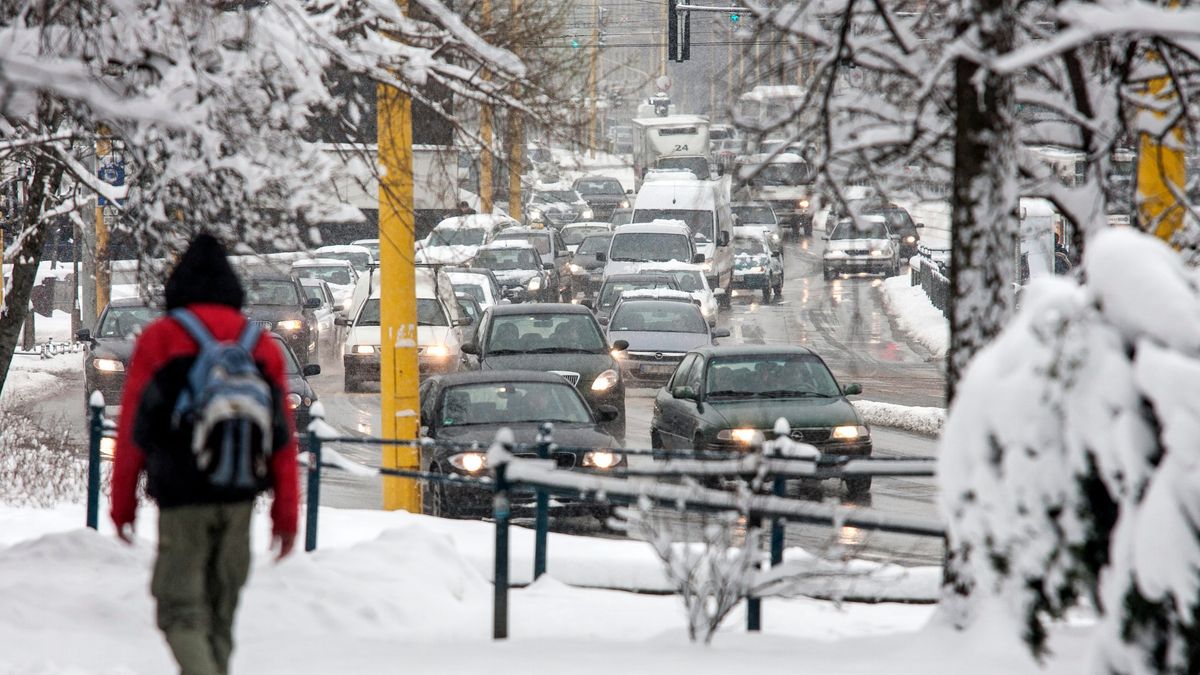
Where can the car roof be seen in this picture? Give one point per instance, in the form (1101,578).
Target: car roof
(752,350)
(343,248)
(659,226)
(486,376)
(540,308)
(639,277)
(321,262)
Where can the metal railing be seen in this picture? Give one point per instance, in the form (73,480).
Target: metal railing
(928,270)
(771,463)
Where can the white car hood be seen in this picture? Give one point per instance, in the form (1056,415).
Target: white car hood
(448,255)
(852,244)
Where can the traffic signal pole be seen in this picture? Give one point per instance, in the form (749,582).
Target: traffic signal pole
(485,133)
(516,138)
(593,85)
(398,300)
(103,267)
(1161,171)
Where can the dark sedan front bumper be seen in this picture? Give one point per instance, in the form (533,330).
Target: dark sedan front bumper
(858,264)
(753,280)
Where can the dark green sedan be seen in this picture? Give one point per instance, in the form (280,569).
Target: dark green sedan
(723,398)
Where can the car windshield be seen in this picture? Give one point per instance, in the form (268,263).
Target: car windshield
(699,222)
(429,313)
(539,241)
(650,247)
(291,366)
(599,186)
(697,165)
(770,376)
(360,259)
(336,275)
(555,196)
(623,217)
(545,333)
(759,215)
(473,290)
(513,403)
(748,246)
(507,259)
(575,235)
(268,292)
(689,281)
(897,219)
(594,244)
(126,322)
(868,229)
(658,317)
(457,236)
(781,174)
(612,290)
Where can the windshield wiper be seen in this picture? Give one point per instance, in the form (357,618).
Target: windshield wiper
(728,392)
(790,393)
(501,352)
(560,350)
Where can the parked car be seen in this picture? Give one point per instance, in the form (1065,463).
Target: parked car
(617,284)
(659,327)
(518,268)
(551,248)
(339,274)
(756,266)
(301,395)
(329,333)
(862,245)
(602,194)
(110,346)
(727,397)
(278,303)
(359,256)
(574,234)
(558,338)
(586,269)
(469,408)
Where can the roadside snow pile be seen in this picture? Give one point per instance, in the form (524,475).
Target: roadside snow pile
(32,378)
(916,315)
(919,420)
(1075,466)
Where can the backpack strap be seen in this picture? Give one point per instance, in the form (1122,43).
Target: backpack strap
(250,337)
(194,326)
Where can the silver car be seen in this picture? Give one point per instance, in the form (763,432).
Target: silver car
(661,326)
(862,246)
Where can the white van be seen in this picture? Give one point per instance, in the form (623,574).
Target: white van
(439,329)
(661,241)
(704,207)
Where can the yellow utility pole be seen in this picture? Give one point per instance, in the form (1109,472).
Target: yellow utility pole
(103,271)
(1161,171)
(485,133)
(662,51)
(516,141)
(593,85)
(398,298)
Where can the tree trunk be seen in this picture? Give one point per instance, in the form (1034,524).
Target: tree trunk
(984,199)
(46,179)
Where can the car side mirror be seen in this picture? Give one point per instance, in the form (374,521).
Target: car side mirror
(340,307)
(621,345)
(83,335)
(698,258)
(603,321)
(470,348)
(607,413)
(629,192)
(311,370)
(723,238)
(686,393)
(463,321)
(312,303)
(852,389)
(587,303)
(548,266)
(343,321)
(720,333)
(601,256)
(920,224)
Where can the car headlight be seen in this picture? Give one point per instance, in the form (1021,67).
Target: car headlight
(576,269)
(290,324)
(535,283)
(587,214)
(880,252)
(743,436)
(835,254)
(471,462)
(623,204)
(601,459)
(802,204)
(707,265)
(108,365)
(606,380)
(365,349)
(910,239)
(293,401)
(437,351)
(849,433)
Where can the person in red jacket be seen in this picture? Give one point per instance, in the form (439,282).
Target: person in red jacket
(203,533)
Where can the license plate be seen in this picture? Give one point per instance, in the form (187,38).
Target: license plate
(658,369)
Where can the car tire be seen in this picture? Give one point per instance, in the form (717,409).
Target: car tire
(779,289)
(655,440)
(435,499)
(767,293)
(858,487)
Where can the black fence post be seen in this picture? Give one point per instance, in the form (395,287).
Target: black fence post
(754,604)
(501,510)
(314,479)
(542,521)
(779,489)
(95,436)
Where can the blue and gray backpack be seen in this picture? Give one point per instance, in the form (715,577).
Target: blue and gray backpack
(228,405)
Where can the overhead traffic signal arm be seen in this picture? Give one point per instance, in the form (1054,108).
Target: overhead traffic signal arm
(679,26)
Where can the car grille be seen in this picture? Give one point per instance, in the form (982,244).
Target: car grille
(858,251)
(562,460)
(569,376)
(664,357)
(817,435)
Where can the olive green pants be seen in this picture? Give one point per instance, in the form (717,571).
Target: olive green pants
(203,561)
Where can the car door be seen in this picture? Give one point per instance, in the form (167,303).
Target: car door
(691,417)
(673,427)
(562,260)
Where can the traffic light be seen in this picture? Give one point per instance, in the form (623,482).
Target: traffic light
(734,17)
(574,43)
(679,33)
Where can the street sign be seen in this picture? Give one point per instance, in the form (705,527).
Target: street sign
(111,171)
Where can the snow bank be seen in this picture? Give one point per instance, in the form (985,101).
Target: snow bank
(919,420)
(916,315)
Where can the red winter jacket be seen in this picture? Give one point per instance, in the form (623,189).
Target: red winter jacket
(165,350)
